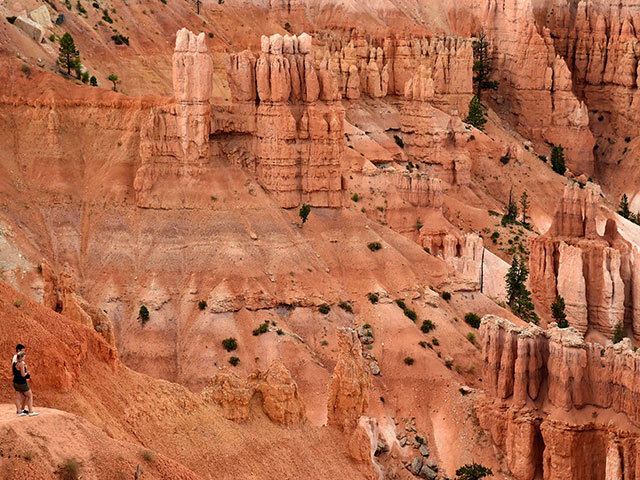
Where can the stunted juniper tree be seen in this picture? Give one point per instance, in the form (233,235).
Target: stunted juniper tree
(558,313)
(623,208)
(557,159)
(482,65)
(69,56)
(475,471)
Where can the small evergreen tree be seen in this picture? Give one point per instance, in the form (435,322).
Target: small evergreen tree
(482,64)
(475,471)
(511,215)
(558,313)
(623,208)
(114,78)
(518,297)
(476,114)
(69,57)
(557,159)
(618,333)
(524,206)
(93,81)
(198,3)
(305,210)
(143,314)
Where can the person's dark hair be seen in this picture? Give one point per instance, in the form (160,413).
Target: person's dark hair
(20,347)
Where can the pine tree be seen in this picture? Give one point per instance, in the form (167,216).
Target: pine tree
(114,78)
(518,297)
(475,471)
(476,114)
(93,81)
(558,313)
(482,64)
(618,333)
(511,215)
(524,206)
(69,57)
(557,159)
(305,210)
(623,208)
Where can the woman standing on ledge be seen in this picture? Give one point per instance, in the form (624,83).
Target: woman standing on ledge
(20,377)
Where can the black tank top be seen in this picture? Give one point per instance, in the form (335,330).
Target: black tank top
(17,375)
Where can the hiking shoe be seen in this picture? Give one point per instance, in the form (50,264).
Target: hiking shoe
(33,414)
(25,411)
(22,414)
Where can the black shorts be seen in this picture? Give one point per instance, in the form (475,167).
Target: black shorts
(21,387)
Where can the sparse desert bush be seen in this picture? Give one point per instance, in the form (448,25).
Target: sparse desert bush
(472,319)
(324,309)
(263,328)
(373,246)
(373,297)
(202,304)
(446,296)
(230,344)
(147,455)
(427,326)
(435,341)
(409,361)
(69,469)
(234,361)
(345,306)
(471,337)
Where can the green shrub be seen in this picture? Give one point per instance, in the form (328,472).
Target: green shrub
(401,304)
(202,304)
(143,314)
(373,246)
(263,328)
(426,249)
(423,344)
(399,141)
(373,297)
(345,306)
(147,455)
(52,37)
(446,296)
(120,39)
(230,344)
(472,319)
(627,139)
(210,34)
(324,309)
(355,197)
(24,68)
(366,326)
(427,326)
(471,337)
(475,471)
(279,331)
(408,360)
(410,314)
(448,364)
(495,236)
(305,210)
(234,361)
(435,341)
(11,19)
(287,27)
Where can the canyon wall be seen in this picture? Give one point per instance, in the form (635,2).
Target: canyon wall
(291,117)
(384,66)
(174,140)
(596,274)
(526,368)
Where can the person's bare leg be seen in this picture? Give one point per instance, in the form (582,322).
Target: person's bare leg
(19,401)
(24,402)
(29,396)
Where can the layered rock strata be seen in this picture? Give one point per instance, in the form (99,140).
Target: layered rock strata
(596,274)
(525,367)
(433,138)
(174,140)
(536,82)
(61,294)
(383,66)
(281,401)
(290,112)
